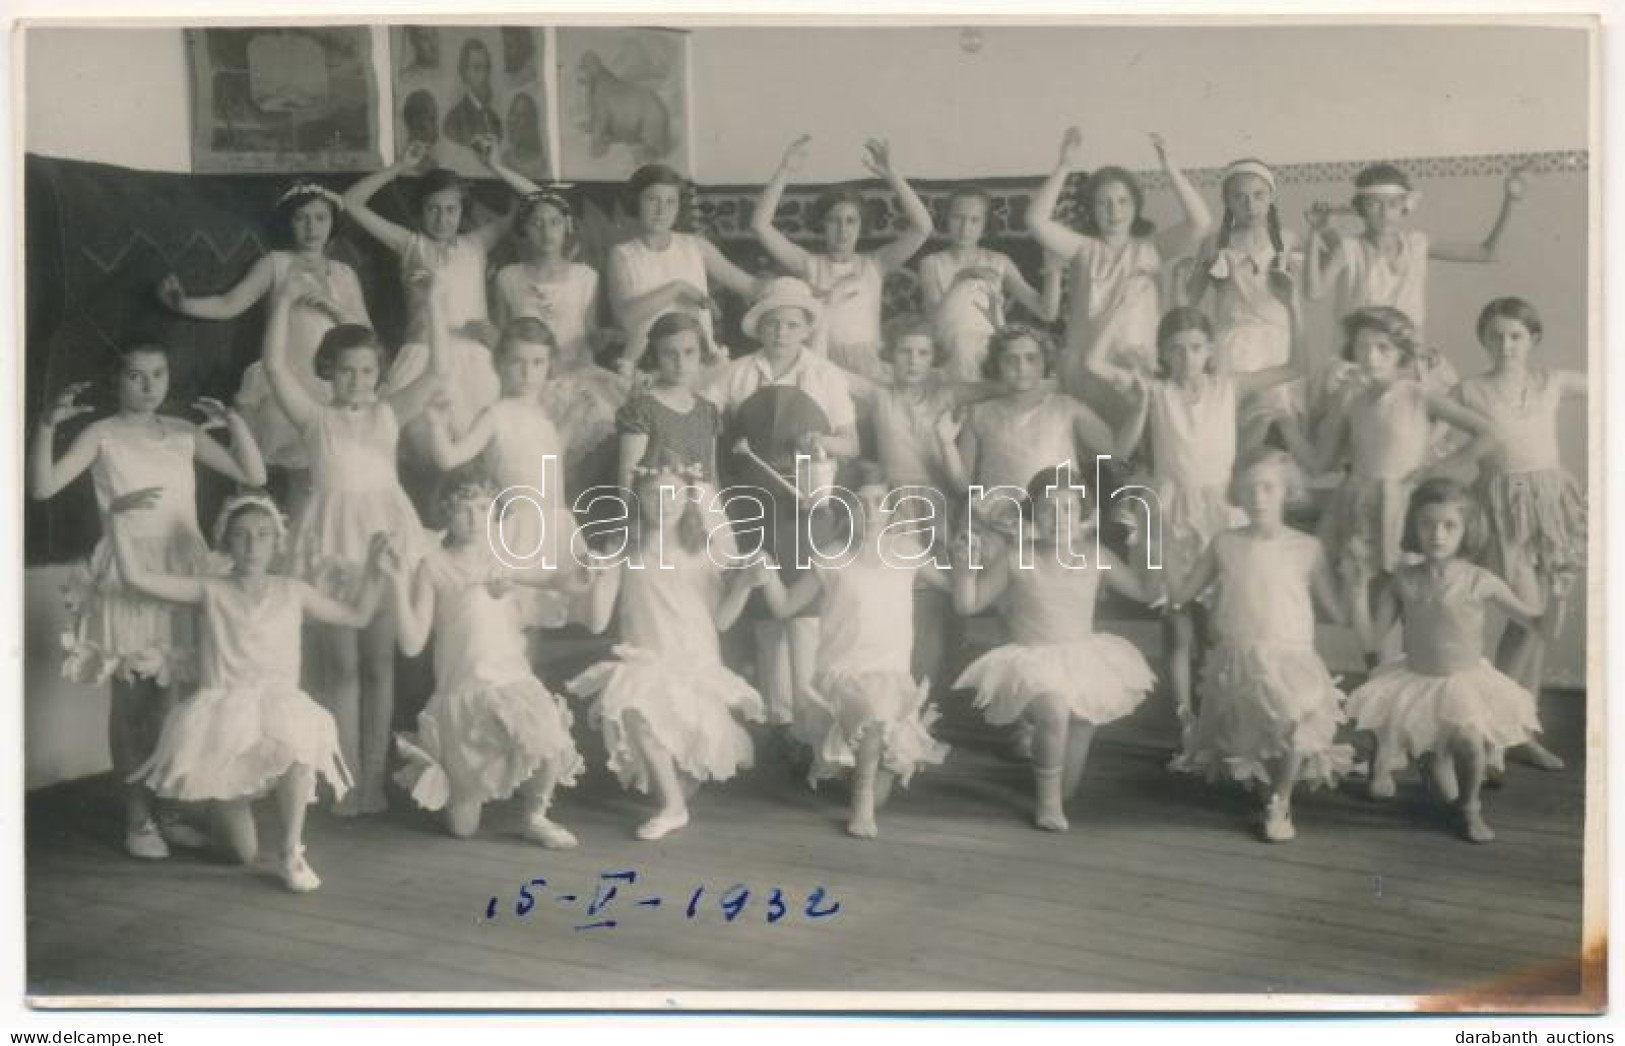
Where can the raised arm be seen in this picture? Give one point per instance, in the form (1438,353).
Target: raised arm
(725,272)
(172,588)
(228,306)
(449,451)
(786,253)
(1320,275)
(290,392)
(1090,433)
(1055,237)
(242,463)
(409,400)
(1046,304)
(877,159)
(356,198)
(491,233)
(48,474)
(1483,253)
(1132,429)
(1181,239)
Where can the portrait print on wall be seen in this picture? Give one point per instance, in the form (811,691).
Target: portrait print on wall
(623,101)
(297,98)
(454,83)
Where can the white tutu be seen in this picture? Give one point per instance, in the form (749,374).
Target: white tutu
(690,710)
(1264,702)
(481,743)
(842,705)
(1414,713)
(1101,678)
(237,743)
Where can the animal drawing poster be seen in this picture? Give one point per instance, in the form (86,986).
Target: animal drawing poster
(454,84)
(623,101)
(272,99)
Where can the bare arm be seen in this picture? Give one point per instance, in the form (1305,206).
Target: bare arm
(1132,429)
(1090,433)
(1442,408)
(48,474)
(1044,305)
(605,589)
(1324,591)
(1320,275)
(737,585)
(1127,578)
(633,311)
(787,602)
(414,609)
(725,272)
(289,390)
(408,400)
(633,445)
(172,588)
(356,198)
(977,589)
(242,464)
(1483,253)
(1055,237)
(254,285)
(786,253)
(1181,238)
(330,611)
(894,255)
(449,452)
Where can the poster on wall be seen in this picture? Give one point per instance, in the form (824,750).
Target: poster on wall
(623,101)
(283,99)
(454,84)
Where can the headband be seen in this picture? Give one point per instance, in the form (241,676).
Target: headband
(298,189)
(1384,189)
(1253,167)
(693,472)
(236,503)
(552,196)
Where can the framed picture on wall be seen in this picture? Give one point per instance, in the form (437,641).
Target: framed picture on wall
(453,84)
(273,99)
(623,101)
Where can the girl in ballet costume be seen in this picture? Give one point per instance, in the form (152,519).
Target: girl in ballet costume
(864,711)
(304,220)
(1059,675)
(850,282)
(491,728)
(523,453)
(964,288)
(670,422)
(666,704)
(1443,700)
(1009,438)
(143,646)
(1270,709)
(1536,510)
(1380,432)
(1249,267)
(1191,409)
(457,260)
(660,269)
(355,493)
(547,283)
(248,729)
(1116,262)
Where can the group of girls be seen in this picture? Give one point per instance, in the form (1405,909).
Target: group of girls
(1213,401)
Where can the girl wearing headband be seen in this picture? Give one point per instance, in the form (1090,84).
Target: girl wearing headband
(249,729)
(1116,265)
(549,285)
(850,281)
(457,258)
(1249,265)
(302,225)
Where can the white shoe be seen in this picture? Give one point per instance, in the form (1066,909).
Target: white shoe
(661,825)
(179,834)
(538,829)
(297,874)
(146,842)
(1278,822)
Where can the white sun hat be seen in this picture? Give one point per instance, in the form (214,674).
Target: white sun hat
(782,292)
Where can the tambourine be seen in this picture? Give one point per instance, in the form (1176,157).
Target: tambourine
(768,432)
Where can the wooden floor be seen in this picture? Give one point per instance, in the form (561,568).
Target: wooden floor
(1160,886)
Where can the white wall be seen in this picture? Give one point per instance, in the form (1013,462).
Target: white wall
(1300,95)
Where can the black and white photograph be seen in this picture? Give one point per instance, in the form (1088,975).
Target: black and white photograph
(1054,516)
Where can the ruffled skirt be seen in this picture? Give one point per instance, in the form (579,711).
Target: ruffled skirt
(1539,517)
(689,710)
(1101,678)
(333,538)
(1261,703)
(481,743)
(114,631)
(237,744)
(1192,516)
(843,705)
(1414,713)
